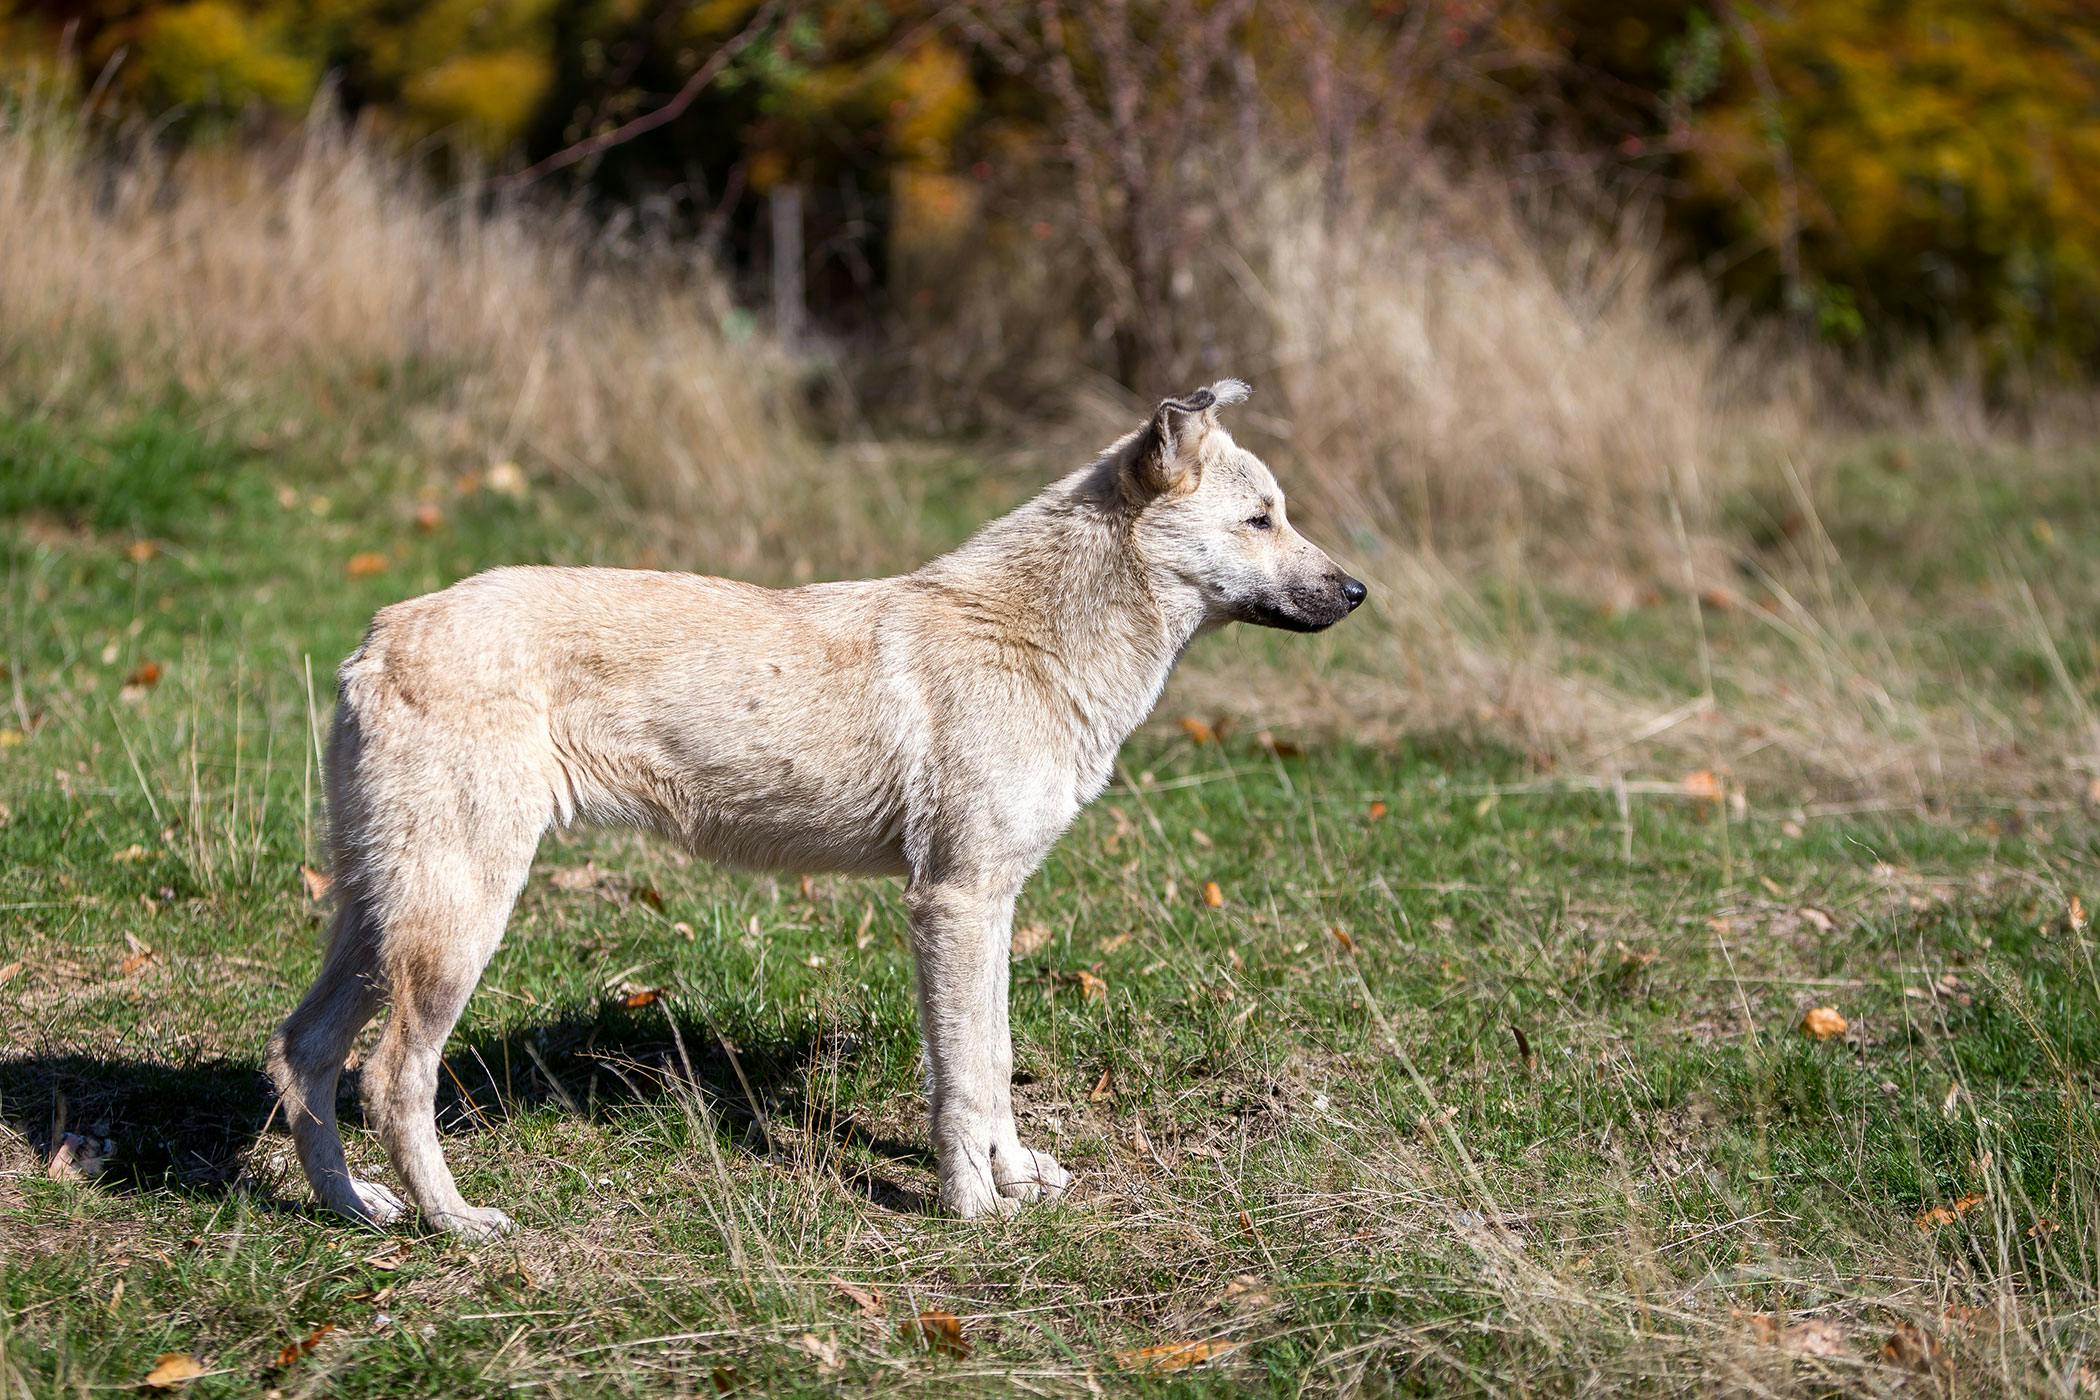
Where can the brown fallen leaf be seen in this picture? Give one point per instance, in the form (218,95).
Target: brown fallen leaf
(1101,1093)
(824,1350)
(576,878)
(314,882)
(868,1300)
(646,996)
(144,675)
(389,1259)
(429,517)
(2076,916)
(1934,1217)
(292,1352)
(1377,811)
(1914,1349)
(939,1332)
(131,853)
(141,551)
(1341,936)
(365,563)
(1172,1356)
(1823,1023)
(7,974)
(1029,938)
(2042,1229)
(1703,784)
(1199,731)
(173,1368)
(1285,748)
(1817,919)
(1212,895)
(1091,988)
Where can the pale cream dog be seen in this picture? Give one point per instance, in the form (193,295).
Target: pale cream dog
(944,726)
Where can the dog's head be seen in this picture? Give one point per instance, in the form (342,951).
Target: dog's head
(1210,519)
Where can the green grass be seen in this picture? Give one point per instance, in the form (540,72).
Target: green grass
(1540,1116)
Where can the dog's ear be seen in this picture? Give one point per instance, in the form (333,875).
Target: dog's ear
(1168,459)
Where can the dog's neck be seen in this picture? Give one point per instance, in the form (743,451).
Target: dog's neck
(1059,578)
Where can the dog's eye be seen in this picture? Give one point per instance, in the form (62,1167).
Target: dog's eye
(1259,522)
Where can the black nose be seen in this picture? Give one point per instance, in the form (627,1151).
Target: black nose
(1354,591)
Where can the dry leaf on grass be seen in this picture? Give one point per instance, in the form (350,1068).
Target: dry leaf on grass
(939,1332)
(1028,938)
(291,1353)
(1212,895)
(2076,916)
(365,564)
(173,1368)
(314,882)
(1172,1356)
(1101,1093)
(1341,936)
(578,878)
(1823,1023)
(389,1259)
(429,517)
(1378,810)
(1815,1336)
(1091,988)
(1933,1217)
(1914,1349)
(823,1349)
(641,997)
(1199,731)
(868,1300)
(144,675)
(7,974)
(1817,919)
(141,551)
(1703,784)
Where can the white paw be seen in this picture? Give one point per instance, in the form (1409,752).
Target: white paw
(475,1224)
(382,1207)
(1024,1174)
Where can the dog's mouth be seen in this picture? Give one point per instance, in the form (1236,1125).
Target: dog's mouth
(1267,613)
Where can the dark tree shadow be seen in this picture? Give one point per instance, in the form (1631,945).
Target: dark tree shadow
(194,1127)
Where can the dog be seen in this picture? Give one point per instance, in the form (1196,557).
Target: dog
(944,726)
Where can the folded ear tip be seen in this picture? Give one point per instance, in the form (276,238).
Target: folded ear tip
(1230,391)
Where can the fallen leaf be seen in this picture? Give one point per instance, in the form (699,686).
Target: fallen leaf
(291,1353)
(823,1349)
(869,1301)
(2042,1229)
(1101,1093)
(1199,731)
(1913,1349)
(389,1259)
(145,674)
(574,878)
(1028,938)
(173,1368)
(133,852)
(1212,895)
(2076,917)
(940,1332)
(1526,1056)
(140,551)
(1172,1356)
(647,996)
(7,974)
(1817,919)
(134,961)
(1936,1216)
(1636,957)
(429,517)
(1704,785)
(1285,748)
(1341,936)
(1091,988)
(10,738)
(1108,945)
(1202,838)
(314,882)
(1823,1023)
(365,563)
(1377,810)
(1818,1336)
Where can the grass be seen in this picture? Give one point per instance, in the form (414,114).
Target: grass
(1484,1075)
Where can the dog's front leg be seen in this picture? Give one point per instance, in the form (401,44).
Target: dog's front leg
(960,933)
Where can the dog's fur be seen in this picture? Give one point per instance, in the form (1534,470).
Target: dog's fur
(944,726)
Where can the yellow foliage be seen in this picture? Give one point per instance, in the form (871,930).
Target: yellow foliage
(485,99)
(208,53)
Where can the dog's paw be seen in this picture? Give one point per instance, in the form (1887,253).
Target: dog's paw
(381,1206)
(1024,1174)
(475,1224)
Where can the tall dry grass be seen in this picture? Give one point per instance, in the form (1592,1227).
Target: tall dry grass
(325,259)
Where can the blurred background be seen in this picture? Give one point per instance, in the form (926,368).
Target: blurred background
(1724,361)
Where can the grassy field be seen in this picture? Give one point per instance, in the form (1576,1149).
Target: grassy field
(1468,1075)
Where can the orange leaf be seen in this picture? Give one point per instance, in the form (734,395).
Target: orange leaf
(315,882)
(940,1332)
(647,996)
(1199,732)
(1378,809)
(1341,936)
(1172,1356)
(2076,918)
(1101,1093)
(139,551)
(1823,1023)
(1091,988)
(867,1300)
(1212,895)
(1703,785)
(428,517)
(1937,1216)
(366,563)
(287,1355)
(147,674)
(173,1368)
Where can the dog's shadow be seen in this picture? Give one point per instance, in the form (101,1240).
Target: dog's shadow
(207,1127)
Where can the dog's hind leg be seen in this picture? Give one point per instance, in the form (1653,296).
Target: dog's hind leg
(306,1060)
(442,927)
